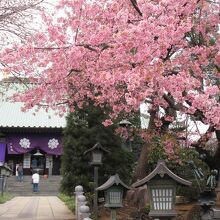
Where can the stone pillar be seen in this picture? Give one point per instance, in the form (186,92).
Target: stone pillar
(85,212)
(50,166)
(81,202)
(78,192)
(113,214)
(95,200)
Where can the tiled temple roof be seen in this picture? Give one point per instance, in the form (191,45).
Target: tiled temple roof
(11,115)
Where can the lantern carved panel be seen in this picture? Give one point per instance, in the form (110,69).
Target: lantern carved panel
(162,199)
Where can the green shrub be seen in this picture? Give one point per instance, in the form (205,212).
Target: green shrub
(89,198)
(68,200)
(5,198)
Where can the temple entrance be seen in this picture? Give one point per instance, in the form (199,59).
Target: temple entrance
(37,152)
(38,161)
(35,160)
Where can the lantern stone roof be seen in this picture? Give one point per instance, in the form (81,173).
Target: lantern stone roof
(113,180)
(97,146)
(5,166)
(125,123)
(161,169)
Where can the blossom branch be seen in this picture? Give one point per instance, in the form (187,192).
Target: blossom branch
(134,3)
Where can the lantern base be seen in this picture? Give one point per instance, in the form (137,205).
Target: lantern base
(165,214)
(217,190)
(95,163)
(113,206)
(163,218)
(113,214)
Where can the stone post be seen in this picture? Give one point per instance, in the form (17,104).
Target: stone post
(2,184)
(84,210)
(95,201)
(6,184)
(50,167)
(78,192)
(81,202)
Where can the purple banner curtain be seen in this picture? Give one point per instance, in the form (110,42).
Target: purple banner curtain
(2,152)
(22,143)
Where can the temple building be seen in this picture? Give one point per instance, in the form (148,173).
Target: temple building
(33,138)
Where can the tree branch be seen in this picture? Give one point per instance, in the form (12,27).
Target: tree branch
(52,48)
(134,3)
(171,102)
(87,46)
(15,10)
(200,148)
(169,54)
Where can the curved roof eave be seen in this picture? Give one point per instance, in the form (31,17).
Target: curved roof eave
(161,169)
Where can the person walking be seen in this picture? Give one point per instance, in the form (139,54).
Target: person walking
(20,172)
(35,181)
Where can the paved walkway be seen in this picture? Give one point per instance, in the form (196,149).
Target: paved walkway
(35,208)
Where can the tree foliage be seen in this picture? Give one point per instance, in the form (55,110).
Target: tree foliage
(84,129)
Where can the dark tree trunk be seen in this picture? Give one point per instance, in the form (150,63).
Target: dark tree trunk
(141,168)
(216,158)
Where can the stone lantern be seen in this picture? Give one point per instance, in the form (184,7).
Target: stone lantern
(161,184)
(114,192)
(96,153)
(126,145)
(5,171)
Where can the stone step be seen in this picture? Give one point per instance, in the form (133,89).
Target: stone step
(49,186)
(28,178)
(35,194)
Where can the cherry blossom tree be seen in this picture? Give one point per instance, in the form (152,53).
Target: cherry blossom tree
(123,53)
(16,19)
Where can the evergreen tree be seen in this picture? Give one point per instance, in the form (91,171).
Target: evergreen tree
(84,129)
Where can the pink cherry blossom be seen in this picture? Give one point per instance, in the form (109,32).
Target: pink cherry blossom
(162,52)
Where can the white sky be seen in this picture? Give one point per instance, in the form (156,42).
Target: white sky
(195,127)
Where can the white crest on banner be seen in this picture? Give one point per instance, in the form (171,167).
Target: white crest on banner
(53,143)
(25,143)
(11,147)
